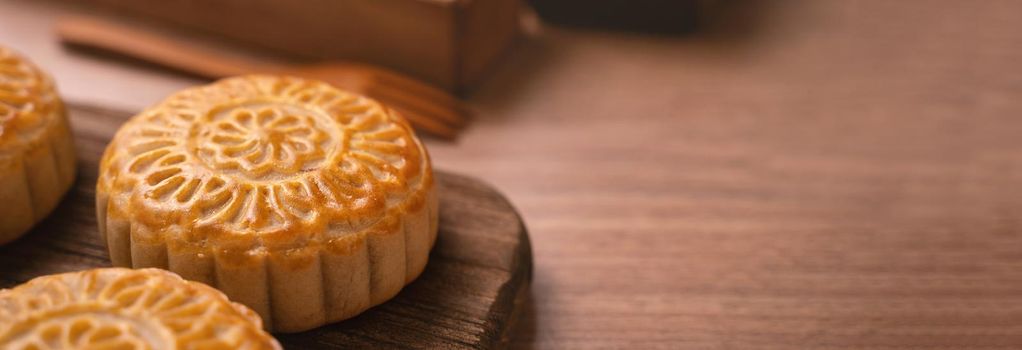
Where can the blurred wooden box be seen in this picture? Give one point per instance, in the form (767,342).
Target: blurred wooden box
(448,42)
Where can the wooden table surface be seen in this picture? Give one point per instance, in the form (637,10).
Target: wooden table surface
(805,174)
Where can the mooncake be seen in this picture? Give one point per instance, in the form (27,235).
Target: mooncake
(306,203)
(117,308)
(37,157)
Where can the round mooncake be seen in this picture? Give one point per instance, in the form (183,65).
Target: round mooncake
(116,308)
(304,202)
(37,157)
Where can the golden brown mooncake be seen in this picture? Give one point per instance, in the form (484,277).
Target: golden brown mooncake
(116,308)
(37,157)
(304,202)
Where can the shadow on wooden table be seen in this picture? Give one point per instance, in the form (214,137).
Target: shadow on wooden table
(730,28)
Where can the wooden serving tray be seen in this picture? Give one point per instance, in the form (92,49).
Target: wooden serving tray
(478,272)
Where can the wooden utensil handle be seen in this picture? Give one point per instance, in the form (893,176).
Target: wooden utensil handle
(154,48)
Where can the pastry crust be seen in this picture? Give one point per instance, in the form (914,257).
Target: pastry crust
(116,308)
(304,202)
(37,160)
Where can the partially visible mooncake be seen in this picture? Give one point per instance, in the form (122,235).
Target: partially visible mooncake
(116,308)
(304,202)
(37,160)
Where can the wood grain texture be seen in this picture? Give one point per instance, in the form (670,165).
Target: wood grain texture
(806,175)
(466,298)
(817,174)
(450,44)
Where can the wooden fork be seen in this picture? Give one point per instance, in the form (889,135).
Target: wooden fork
(426,107)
